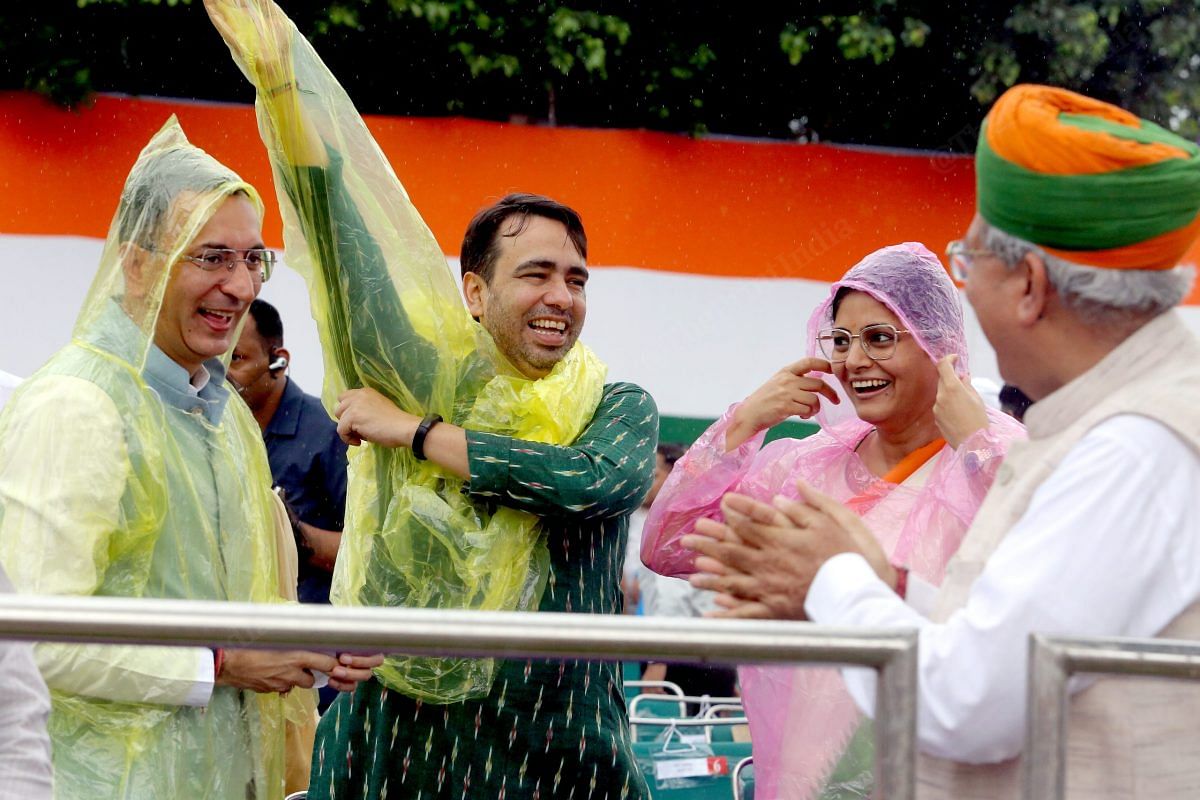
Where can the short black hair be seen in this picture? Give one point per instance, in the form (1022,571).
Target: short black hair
(479,249)
(266,319)
(671,452)
(838,297)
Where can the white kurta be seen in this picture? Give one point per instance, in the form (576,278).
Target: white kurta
(1108,546)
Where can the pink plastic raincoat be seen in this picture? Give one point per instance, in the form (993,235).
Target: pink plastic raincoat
(802,719)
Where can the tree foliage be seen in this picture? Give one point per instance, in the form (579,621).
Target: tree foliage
(1142,55)
(916,73)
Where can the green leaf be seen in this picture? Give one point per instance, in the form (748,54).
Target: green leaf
(915,32)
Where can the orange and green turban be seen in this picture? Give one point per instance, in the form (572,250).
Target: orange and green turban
(1087,181)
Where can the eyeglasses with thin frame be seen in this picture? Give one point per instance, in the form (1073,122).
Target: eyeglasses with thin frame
(961,257)
(259,261)
(877,341)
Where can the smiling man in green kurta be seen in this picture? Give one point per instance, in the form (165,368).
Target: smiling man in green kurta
(497,468)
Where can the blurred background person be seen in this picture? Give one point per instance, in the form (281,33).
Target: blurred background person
(632,575)
(307,457)
(660,596)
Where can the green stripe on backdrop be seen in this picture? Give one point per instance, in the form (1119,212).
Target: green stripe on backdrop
(685,430)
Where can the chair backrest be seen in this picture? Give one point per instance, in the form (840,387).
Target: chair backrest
(649,713)
(728,711)
(718,758)
(653,705)
(720,708)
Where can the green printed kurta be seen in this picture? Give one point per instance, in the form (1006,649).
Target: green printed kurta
(548,729)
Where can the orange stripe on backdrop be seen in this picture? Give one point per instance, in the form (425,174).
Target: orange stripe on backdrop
(660,201)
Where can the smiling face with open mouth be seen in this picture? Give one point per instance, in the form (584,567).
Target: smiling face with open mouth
(201,310)
(536,301)
(890,393)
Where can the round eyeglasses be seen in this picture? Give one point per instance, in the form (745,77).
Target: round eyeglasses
(259,261)
(961,258)
(877,341)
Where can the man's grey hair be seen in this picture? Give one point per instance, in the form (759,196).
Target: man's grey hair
(1098,295)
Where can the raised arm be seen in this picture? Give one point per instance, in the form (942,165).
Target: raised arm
(387,307)
(724,456)
(693,491)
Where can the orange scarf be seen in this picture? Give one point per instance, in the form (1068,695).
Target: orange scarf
(861,504)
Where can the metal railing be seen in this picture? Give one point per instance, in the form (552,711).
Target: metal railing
(503,635)
(1052,661)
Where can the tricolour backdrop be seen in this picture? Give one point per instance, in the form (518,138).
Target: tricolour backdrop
(709,254)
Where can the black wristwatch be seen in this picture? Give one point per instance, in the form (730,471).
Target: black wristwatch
(418,442)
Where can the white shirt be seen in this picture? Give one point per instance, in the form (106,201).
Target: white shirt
(8,382)
(1109,546)
(673,597)
(633,545)
(25,772)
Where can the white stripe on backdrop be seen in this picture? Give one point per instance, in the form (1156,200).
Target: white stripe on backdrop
(695,343)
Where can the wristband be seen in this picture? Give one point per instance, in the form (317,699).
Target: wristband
(901,581)
(218,662)
(418,442)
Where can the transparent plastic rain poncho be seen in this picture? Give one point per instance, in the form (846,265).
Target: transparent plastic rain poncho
(391,319)
(807,738)
(105,489)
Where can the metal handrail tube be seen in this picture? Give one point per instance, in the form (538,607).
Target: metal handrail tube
(1052,661)
(500,635)
(688,722)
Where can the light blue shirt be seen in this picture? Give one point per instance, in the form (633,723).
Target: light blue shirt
(174,385)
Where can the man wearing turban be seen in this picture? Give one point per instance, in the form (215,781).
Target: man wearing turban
(1071,263)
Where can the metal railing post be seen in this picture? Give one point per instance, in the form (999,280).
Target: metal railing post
(896,723)
(1052,661)
(1046,721)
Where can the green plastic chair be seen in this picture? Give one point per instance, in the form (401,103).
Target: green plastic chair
(716,787)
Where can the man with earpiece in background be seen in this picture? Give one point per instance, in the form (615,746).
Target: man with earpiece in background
(308,458)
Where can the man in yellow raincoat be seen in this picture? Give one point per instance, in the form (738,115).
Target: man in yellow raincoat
(127,469)
(499,468)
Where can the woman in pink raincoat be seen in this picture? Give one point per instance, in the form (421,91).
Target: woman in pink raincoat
(913,453)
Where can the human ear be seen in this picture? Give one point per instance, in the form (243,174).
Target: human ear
(1036,291)
(279,360)
(475,292)
(138,270)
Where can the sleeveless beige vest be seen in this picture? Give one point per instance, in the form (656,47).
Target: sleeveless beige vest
(1127,738)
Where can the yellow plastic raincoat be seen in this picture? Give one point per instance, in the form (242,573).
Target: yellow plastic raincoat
(390,318)
(111,485)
